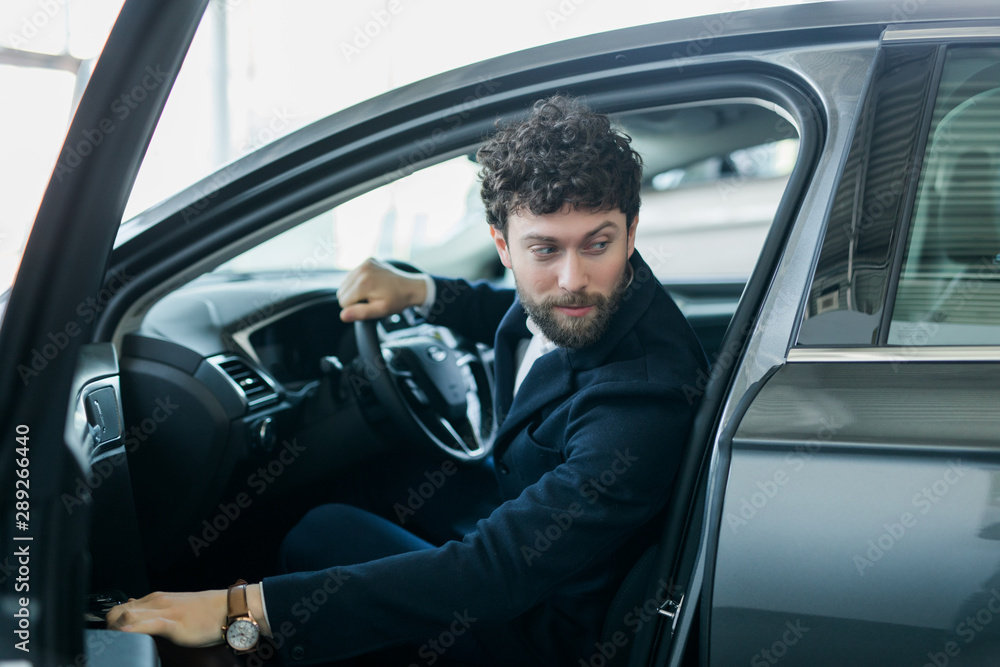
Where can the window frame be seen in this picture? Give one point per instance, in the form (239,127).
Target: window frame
(880,350)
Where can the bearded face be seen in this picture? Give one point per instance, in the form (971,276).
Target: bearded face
(571,269)
(574,320)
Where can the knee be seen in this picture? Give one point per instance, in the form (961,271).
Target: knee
(307,537)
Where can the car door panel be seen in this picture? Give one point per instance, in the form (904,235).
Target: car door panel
(859,517)
(879,482)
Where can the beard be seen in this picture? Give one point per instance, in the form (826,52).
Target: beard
(575,332)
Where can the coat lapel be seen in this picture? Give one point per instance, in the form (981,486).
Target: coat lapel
(550,377)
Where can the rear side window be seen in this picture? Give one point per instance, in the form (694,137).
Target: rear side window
(949,285)
(912,249)
(847,297)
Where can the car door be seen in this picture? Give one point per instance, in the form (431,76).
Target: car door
(48,320)
(858,510)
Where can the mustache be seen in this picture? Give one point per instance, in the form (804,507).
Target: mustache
(574,301)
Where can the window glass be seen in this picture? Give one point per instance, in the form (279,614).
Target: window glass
(432,218)
(260,69)
(732,161)
(949,287)
(847,296)
(47,53)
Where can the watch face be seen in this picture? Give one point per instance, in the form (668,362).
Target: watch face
(242,634)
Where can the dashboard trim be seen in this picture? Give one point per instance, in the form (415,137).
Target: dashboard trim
(242,336)
(216,363)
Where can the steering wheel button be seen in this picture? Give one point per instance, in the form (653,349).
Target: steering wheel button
(437,353)
(417,392)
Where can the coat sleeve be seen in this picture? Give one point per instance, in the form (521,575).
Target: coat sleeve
(622,449)
(472,309)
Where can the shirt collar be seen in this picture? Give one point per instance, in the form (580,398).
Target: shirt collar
(546,344)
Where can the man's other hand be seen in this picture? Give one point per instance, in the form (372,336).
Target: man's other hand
(374,289)
(186,619)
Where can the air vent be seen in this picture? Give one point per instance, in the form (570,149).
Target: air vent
(254,386)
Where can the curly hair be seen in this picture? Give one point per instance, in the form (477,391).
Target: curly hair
(562,153)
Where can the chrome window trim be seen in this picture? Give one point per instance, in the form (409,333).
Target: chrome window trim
(900,34)
(894,354)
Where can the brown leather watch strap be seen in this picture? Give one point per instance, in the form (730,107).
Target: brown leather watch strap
(237,600)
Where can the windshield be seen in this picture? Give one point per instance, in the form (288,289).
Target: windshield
(714,174)
(260,69)
(413,218)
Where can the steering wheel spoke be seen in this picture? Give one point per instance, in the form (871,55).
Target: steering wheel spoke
(434,388)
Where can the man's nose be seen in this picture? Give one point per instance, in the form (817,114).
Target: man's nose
(573,274)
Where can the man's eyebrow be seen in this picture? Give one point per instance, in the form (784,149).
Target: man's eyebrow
(533,236)
(601,227)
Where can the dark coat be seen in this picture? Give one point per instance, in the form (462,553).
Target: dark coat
(585,458)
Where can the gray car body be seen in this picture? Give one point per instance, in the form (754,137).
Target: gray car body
(841,503)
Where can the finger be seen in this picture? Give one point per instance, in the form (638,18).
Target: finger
(364,311)
(119,617)
(150,626)
(346,294)
(113,616)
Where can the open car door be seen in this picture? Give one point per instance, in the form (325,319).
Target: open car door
(48,321)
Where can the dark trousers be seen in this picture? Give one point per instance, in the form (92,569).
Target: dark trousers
(432,499)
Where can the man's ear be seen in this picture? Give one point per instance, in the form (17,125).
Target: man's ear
(501,244)
(631,235)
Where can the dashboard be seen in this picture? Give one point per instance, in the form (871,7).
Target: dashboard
(240,364)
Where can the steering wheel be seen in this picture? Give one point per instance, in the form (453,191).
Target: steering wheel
(433,386)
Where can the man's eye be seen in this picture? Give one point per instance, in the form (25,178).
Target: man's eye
(544,251)
(600,245)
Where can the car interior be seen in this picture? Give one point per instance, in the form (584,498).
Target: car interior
(246,401)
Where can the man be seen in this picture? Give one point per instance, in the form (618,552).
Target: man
(591,360)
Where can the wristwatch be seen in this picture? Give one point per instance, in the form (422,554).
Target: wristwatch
(241,630)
